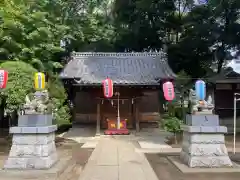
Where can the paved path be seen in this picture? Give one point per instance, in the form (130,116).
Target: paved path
(115,159)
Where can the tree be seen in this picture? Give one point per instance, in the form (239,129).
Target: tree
(29,35)
(141,24)
(209,33)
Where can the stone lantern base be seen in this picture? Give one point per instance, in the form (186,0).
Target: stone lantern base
(204,142)
(32,148)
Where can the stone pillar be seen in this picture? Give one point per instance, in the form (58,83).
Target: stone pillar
(204,143)
(32,147)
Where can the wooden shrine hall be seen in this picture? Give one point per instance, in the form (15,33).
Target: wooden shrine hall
(136,80)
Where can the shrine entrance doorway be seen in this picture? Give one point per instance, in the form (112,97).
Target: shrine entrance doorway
(109,112)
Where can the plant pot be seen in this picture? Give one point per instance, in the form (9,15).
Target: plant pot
(35,120)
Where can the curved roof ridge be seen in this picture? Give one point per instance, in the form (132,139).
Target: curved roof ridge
(114,54)
(122,68)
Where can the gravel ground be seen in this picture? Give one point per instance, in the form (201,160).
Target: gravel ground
(65,148)
(165,170)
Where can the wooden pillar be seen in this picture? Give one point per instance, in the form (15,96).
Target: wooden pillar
(133,115)
(137,116)
(73,108)
(98,119)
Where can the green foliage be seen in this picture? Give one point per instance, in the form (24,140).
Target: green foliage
(62,116)
(182,80)
(194,37)
(28,34)
(20,83)
(171,109)
(58,95)
(180,112)
(172,124)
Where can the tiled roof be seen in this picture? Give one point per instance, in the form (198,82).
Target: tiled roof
(226,75)
(122,68)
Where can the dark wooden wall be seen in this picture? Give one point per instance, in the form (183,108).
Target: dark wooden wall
(224,99)
(86,106)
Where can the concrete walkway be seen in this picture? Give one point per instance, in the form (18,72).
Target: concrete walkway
(115,159)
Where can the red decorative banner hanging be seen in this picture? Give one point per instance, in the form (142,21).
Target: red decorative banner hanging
(108,88)
(168,91)
(3,79)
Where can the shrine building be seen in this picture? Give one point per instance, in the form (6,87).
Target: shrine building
(137,78)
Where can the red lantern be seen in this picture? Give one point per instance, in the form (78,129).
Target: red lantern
(108,88)
(3,78)
(168,91)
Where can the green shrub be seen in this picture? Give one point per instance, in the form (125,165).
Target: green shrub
(20,83)
(58,95)
(173,125)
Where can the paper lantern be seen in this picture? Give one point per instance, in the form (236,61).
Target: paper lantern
(200,88)
(3,78)
(168,91)
(201,2)
(39,81)
(108,88)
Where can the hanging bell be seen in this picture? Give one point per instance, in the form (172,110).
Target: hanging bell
(132,101)
(102,101)
(112,102)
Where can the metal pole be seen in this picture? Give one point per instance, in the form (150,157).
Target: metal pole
(118,116)
(234,123)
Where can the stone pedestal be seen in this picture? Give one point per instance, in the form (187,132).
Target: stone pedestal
(32,148)
(35,120)
(204,142)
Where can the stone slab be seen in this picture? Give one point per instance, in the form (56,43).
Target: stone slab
(90,144)
(202,120)
(117,160)
(205,149)
(205,161)
(32,150)
(32,130)
(35,120)
(185,169)
(100,173)
(203,138)
(129,170)
(162,151)
(52,173)
(31,162)
(34,139)
(109,157)
(205,129)
(153,145)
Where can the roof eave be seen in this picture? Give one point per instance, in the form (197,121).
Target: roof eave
(119,84)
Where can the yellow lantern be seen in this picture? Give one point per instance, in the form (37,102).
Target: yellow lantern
(39,81)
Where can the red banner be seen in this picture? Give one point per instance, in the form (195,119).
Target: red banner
(108,88)
(3,78)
